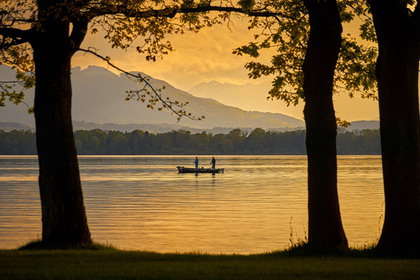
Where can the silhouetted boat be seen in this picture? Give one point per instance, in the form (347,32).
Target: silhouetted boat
(182,169)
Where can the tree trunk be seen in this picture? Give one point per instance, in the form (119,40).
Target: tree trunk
(325,227)
(64,222)
(397,74)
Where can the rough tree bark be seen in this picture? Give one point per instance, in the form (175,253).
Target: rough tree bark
(325,228)
(64,222)
(397,71)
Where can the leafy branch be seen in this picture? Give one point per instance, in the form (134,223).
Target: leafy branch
(12,91)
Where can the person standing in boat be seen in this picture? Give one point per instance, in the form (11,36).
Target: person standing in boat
(196,162)
(213,163)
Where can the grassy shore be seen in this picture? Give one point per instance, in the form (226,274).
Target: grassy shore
(115,264)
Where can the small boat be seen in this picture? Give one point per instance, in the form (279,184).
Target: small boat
(182,169)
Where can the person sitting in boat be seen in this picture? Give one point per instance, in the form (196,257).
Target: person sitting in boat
(213,163)
(196,162)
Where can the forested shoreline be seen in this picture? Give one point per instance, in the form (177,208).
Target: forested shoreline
(236,142)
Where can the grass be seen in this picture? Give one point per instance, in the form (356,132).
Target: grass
(109,263)
(39,245)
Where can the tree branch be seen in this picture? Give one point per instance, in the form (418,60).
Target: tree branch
(416,19)
(78,33)
(173,11)
(10,37)
(15,33)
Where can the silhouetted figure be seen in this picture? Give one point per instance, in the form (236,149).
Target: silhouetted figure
(213,163)
(196,162)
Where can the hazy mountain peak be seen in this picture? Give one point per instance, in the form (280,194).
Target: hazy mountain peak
(214,83)
(211,83)
(93,70)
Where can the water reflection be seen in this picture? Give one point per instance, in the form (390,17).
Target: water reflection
(141,202)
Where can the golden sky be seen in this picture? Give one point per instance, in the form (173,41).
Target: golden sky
(207,56)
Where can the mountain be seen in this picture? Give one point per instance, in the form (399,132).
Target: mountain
(99,97)
(242,96)
(153,128)
(247,96)
(7,126)
(165,127)
(360,125)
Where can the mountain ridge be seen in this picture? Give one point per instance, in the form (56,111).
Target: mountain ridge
(99,97)
(165,127)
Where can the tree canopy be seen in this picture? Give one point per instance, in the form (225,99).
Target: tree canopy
(287,39)
(143,25)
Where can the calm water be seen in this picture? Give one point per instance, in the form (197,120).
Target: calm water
(141,202)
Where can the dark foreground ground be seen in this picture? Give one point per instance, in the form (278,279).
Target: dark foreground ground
(114,264)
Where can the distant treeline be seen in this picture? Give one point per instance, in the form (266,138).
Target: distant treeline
(99,142)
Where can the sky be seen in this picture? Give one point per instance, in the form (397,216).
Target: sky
(207,56)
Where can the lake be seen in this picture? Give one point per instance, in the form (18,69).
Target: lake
(142,203)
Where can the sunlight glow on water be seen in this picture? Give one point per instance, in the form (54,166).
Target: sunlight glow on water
(142,203)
